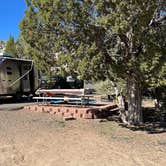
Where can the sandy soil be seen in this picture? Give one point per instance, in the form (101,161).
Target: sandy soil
(40,139)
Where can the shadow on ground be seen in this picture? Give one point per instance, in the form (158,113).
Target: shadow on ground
(14,101)
(150,128)
(153,123)
(13,105)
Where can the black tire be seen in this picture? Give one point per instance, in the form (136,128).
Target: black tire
(17,97)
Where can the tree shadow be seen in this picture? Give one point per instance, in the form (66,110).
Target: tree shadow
(10,104)
(152,123)
(150,128)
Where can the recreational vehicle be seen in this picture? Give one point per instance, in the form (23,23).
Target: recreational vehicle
(18,77)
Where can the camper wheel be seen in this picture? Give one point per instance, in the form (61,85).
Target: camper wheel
(18,96)
(30,97)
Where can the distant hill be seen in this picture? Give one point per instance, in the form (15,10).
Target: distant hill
(2,45)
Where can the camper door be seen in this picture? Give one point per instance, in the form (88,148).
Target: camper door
(3,78)
(25,80)
(12,74)
(9,72)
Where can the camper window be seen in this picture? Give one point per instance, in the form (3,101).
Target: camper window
(25,77)
(26,67)
(9,73)
(8,68)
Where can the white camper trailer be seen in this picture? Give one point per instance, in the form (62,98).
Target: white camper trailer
(17,77)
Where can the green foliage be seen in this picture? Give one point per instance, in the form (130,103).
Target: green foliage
(11,47)
(99,39)
(24,50)
(106,87)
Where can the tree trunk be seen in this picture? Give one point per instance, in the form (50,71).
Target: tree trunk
(121,103)
(157,99)
(132,115)
(134,112)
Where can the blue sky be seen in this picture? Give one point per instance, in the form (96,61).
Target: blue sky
(11,12)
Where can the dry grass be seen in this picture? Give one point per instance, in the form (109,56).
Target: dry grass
(38,139)
(149,103)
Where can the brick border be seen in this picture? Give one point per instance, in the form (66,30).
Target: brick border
(68,111)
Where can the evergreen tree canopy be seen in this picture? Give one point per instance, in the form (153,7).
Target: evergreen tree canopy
(24,50)
(11,47)
(102,39)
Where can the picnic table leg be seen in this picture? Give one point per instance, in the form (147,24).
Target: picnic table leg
(81,101)
(88,100)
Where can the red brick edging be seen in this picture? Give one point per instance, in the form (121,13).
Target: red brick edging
(71,111)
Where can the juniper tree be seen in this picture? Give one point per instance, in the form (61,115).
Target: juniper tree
(102,39)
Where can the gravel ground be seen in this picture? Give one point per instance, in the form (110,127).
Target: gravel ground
(40,139)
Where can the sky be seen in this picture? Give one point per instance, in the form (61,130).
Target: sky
(11,13)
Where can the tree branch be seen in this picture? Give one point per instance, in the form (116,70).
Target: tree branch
(156,22)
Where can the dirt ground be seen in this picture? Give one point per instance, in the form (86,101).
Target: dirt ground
(40,139)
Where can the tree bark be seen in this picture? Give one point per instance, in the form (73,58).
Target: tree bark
(121,103)
(134,112)
(133,115)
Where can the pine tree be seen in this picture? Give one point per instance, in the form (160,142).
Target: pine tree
(11,47)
